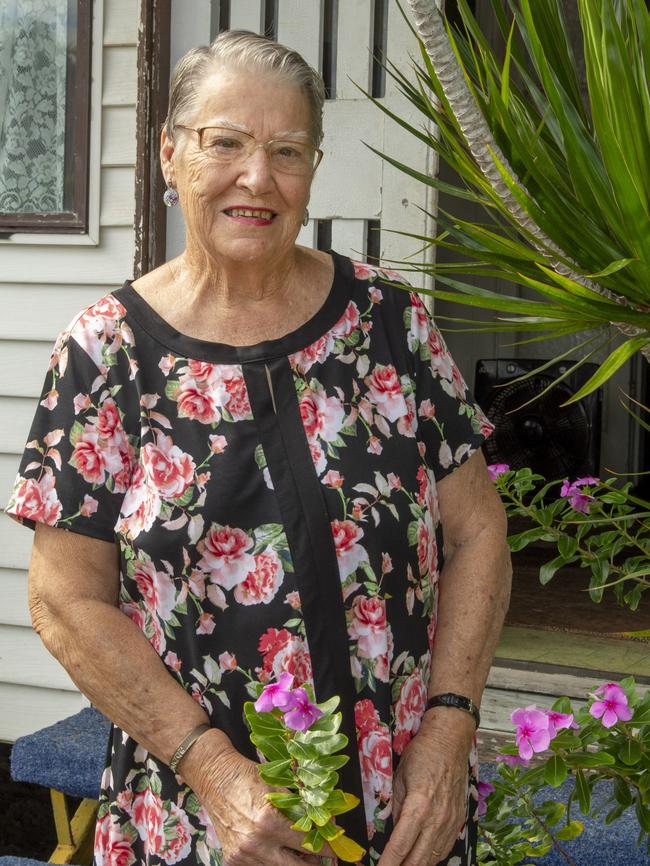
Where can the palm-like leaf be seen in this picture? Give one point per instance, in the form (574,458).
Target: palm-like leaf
(565,186)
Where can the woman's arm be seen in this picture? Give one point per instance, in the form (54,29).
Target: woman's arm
(429,798)
(73,594)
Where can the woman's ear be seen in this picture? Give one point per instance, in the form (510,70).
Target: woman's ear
(167,148)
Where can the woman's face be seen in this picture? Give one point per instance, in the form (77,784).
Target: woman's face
(267,108)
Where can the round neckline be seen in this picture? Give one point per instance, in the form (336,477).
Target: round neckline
(333,307)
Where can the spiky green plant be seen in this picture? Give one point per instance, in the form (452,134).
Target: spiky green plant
(565,186)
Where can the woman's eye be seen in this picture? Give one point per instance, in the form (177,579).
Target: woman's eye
(289,152)
(229,144)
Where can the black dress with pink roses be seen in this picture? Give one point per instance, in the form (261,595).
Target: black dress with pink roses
(275,508)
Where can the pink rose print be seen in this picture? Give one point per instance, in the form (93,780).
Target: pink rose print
(171,470)
(37,500)
(200,371)
(227,661)
(349,553)
(407,424)
(108,420)
(89,506)
(141,505)
(316,353)
(92,459)
(225,555)
(368,626)
(427,546)
(148,819)
(409,709)
(178,835)
(81,402)
(195,404)
(238,405)
(377,764)
(440,358)
(419,330)
(262,583)
(348,322)
(322,416)
(156,588)
(385,391)
(363,271)
(112,846)
(317,455)
(284,652)
(100,326)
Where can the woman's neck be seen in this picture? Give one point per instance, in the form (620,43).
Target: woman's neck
(235,283)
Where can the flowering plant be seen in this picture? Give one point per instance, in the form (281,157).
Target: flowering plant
(300,739)
(608,738)
(602,527)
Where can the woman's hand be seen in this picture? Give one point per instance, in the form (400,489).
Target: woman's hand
(251,831)
(430,791)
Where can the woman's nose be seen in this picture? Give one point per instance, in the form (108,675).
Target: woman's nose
(256,173)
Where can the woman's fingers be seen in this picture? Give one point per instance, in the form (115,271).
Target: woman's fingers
(402,839)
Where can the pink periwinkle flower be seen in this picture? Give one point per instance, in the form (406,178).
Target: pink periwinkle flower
(484,791)
(612,707)
(277,695)
(532,733)
(302,713)
(511,760)
(496,469)
(574,492)
(558,721)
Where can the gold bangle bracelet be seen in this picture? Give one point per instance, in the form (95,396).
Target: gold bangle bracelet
(186,744)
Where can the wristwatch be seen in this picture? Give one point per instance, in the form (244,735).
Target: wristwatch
(449,699)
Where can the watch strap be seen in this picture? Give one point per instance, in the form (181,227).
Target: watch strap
(460,702)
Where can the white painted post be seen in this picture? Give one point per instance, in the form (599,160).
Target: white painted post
(247,15)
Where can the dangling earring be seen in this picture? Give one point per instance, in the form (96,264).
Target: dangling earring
(170,197)
(305,219)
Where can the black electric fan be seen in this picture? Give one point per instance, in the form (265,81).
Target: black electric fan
(553,440)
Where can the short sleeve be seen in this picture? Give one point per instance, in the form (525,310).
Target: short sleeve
(79,458)
(451,425)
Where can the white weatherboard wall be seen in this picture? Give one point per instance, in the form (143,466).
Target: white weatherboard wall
(43,283)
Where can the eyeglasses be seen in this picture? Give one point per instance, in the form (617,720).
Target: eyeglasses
(231,146)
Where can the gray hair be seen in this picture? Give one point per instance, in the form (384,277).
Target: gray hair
(242,49)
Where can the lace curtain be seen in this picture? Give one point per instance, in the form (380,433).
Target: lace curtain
(33,59)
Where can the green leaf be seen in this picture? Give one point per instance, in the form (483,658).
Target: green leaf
(312,776)
(273,748)
(302,751)
(583,791)
(590,759)
(313,841)
(622,792)
(277,772)
(283,801)
(547,571)
(314,796)
(555,771)
(610,365)
(571,831)
(303,824)
(567,546)
(630,752)
(340,802)
(346,849)
(319,815)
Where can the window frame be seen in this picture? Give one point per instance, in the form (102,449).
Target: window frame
(74,221)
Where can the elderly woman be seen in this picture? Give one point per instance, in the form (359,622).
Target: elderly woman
(260,452)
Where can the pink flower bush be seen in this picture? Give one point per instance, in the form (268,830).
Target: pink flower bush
(613,705)
(532,733)
(575,492)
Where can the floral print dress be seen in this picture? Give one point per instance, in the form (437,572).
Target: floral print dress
(275,508)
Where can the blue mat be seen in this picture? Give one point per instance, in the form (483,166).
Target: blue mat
(68,755)
(600,844)
(20,861)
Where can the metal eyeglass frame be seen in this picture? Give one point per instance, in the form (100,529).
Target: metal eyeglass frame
(251,148)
